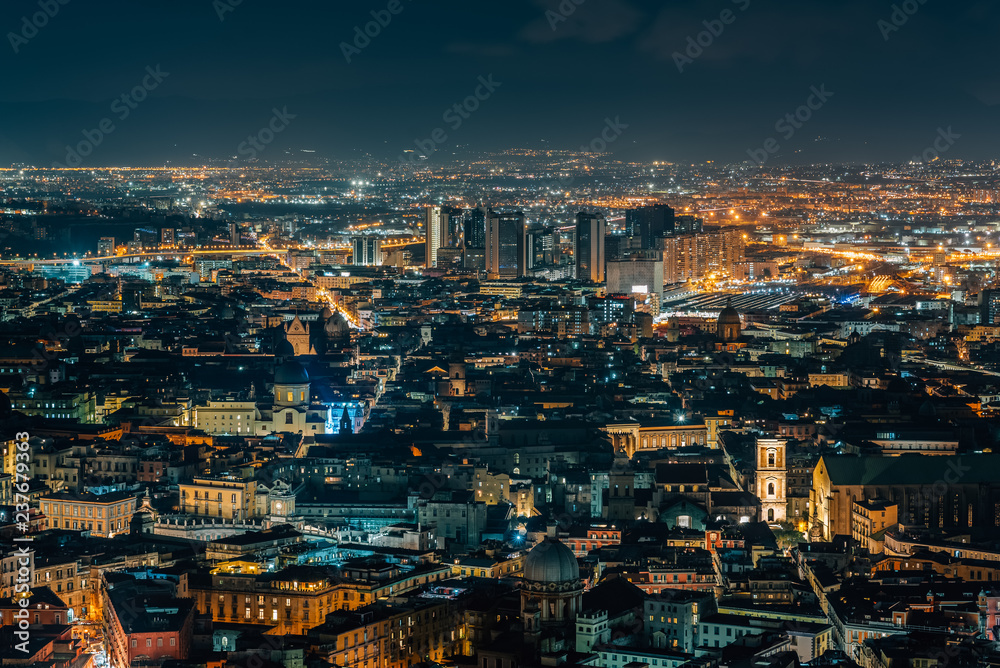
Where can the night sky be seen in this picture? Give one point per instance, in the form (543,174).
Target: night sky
(608,59)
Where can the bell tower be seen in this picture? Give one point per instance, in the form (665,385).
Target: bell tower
(771,479)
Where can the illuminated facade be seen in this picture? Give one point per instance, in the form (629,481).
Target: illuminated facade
(772,479)
(228,498)
(106,515)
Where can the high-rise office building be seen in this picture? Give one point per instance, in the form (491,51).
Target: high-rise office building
(475,228)
(688,224)
(167,236)
(474,258)
(234,234)
(455,234)
(367,251)
(989,307)
(646,224)
(506,244)
(615,246)
(591,229)
(638,273)
(541,243)
(443,229)
(435,221)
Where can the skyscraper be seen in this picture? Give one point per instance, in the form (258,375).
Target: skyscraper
(443,229)
(475,228)
(541,243)
(435,223)
(367,251)
(590,232)
(989,307)
(648,223)
(688,224)
(638,273)
(506,244)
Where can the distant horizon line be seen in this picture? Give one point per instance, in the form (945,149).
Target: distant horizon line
(667,163)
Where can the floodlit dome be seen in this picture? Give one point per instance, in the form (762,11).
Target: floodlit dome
(551,561)
(336,326)
(325,314)
(729,316)
(291,373)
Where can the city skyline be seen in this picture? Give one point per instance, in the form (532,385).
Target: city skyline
(535,334)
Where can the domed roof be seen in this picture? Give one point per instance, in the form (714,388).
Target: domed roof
(325,314)
(551,561)
(729,315)
(291,373)
(284,349)
(336,325)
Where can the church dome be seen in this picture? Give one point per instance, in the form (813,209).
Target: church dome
(325,314)
(336,326)
(291,373)
(284,349)
(729,316)
(551,561)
